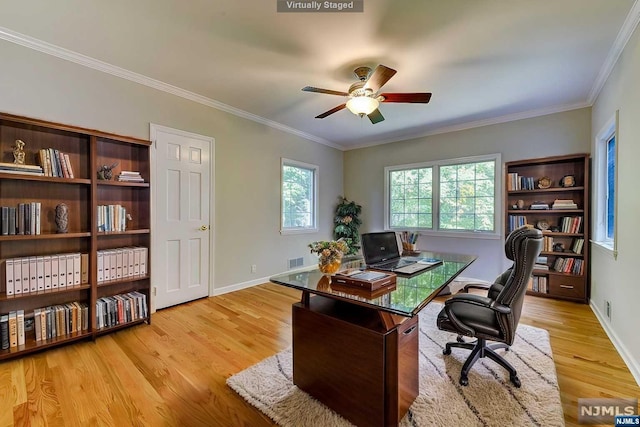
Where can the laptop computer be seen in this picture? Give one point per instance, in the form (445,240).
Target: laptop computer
(380,251)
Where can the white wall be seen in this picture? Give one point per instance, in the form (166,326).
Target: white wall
(554,134)
(617,280)
(247,154)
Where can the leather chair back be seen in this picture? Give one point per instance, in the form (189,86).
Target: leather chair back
(522,246)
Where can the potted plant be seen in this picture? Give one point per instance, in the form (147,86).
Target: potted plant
(330,254)
(347,223)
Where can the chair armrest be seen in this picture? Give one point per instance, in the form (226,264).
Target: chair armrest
(477,300)
(468,286)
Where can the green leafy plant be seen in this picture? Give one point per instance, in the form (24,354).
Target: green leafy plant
(347,223)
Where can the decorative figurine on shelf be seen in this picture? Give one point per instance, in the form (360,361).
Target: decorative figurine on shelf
(18,152)
(558,247)
(105,172)
(520,204)
(568,181)
(62,218)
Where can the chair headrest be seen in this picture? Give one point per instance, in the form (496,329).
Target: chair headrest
(516,237)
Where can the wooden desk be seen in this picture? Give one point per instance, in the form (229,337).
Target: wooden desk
(359,356)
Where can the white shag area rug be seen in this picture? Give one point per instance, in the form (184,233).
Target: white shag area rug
(489,400)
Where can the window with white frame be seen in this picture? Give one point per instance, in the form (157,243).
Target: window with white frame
(458,195)
(299,197)
(605,185)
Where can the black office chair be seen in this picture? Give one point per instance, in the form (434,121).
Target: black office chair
(494,317)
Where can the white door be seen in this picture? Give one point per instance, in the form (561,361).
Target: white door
(182,228)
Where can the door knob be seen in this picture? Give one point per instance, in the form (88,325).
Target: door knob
(204,228)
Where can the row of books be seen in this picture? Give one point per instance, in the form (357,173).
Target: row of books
(577,246)
(569,265)
(29,275)
(22,219)
(571,224)
(60,320)
(130,176)
(12,329)
(112,218)
(517,182)
(539,284)
(16,168)
(516,221)
(55,163)
(119,309)
(116,264)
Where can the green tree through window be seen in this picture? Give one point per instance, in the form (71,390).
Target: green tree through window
(464,201)
(298,195)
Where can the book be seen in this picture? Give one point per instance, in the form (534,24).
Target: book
(68,163)
(13,329)
(4,331)
(9,276)
(4,165)
(5,220)
(20,325)
(12,220)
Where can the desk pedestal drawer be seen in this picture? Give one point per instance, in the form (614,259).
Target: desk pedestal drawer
(344,357)
(567,287)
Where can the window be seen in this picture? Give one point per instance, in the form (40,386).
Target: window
(605,199)
(454,196)
(299,197)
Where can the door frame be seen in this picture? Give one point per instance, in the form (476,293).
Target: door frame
(153,135)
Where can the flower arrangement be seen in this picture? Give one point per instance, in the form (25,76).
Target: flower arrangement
(330,254)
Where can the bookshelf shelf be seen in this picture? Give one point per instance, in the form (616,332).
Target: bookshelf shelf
(565,231)
(87,150)
(40,294)
(46,236)
(111,329)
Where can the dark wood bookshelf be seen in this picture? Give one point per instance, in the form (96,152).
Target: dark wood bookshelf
(88,150)
(561,285)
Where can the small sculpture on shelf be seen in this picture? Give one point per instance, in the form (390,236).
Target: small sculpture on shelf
(18,152)
(105,173)
(62,218)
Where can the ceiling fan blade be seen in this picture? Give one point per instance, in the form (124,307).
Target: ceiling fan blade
(420,98)
(379,77)
(327,91)
(333,110)
(375,116)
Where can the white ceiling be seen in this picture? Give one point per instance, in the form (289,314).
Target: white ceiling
(484,61)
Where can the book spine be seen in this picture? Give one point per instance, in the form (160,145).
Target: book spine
(13,329)
(9,276)
(5,220)
(12,221)
(4,331)
(20,325)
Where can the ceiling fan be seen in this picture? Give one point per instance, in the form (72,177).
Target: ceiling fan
(364,96)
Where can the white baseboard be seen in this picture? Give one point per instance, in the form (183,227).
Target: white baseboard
(250,283)
(631,363)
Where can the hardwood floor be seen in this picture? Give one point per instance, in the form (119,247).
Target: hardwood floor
(173,372)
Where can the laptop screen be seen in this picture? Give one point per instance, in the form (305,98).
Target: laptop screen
(379,247)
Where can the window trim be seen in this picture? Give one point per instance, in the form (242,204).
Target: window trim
(608,131)
(435,165)
(314,214)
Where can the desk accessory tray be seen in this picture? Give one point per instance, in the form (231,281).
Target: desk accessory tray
(364,279)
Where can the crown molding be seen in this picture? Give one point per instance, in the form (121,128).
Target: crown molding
(480,123)
(628,27)
(89,62)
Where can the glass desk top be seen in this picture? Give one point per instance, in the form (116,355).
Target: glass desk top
(409,295)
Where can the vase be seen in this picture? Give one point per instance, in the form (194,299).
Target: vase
(329,268)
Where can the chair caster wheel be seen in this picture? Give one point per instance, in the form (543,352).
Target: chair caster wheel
(459,339)
(516,381)
(447,350)
(464,381)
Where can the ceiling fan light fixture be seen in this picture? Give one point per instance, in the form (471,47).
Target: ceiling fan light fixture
(362,105)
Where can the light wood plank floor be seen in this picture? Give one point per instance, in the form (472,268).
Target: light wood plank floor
(173,372)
